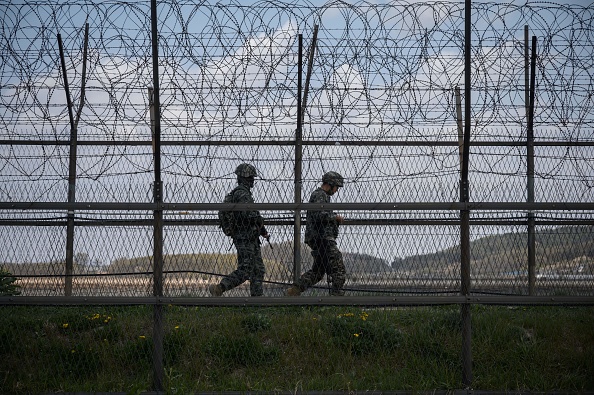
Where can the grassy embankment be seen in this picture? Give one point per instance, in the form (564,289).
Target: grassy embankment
(109,348)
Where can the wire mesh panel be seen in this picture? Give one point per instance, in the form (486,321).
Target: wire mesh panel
(140,255)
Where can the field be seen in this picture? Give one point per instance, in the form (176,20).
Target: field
(109,348)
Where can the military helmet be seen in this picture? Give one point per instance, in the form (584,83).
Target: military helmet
(246,170)
(333,178)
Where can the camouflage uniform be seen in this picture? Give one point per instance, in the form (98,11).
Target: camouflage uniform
(249,226)
(320,234)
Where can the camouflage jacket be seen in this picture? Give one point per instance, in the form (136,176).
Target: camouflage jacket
(320,224)
(248,223)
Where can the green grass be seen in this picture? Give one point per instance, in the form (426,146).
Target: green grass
(103,349)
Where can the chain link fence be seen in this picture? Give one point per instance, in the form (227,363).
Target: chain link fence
(113,179)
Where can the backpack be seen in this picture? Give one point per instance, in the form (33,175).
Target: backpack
(227,218)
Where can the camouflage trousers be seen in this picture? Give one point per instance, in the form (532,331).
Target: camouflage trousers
(327,260)
(250,266)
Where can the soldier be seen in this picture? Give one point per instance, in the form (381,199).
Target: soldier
(248,225)
(320,234)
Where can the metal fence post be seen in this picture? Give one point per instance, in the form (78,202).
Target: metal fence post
(530,173)
(298,168)
(158,369)
(69,269)
(465,214)
(301,106)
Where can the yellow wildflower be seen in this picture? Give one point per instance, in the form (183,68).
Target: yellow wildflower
(65,326)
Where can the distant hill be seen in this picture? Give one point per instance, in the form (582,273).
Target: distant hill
(561,250)
(557,249)
(354,263)
(202,266)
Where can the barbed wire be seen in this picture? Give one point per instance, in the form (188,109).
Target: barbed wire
(382,72)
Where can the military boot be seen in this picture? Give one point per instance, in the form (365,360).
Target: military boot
(216,290)
(293,291)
